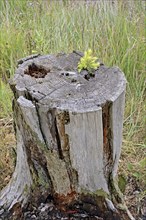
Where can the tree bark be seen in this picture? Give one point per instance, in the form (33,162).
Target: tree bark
(68,132)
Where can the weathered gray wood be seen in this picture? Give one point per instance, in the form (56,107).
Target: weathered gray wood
(86,149)
(68,130)
(117,126)
(18,188)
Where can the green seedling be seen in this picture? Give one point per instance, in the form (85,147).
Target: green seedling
(88,62)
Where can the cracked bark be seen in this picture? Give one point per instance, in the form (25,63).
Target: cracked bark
(68,131)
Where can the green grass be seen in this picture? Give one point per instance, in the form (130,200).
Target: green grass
(5,100)
(116,34)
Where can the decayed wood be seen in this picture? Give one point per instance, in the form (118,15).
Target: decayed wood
(68,130)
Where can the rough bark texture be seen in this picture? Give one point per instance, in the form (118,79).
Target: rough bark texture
(68,131)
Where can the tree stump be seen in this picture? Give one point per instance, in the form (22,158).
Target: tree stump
(69,133)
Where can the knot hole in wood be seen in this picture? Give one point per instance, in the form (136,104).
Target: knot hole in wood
(36,71)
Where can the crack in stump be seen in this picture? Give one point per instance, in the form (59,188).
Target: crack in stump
(107,145)
(58,141)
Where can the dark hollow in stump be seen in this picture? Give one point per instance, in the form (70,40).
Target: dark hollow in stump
(69,134)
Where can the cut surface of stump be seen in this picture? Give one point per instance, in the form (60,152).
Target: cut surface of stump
(68,130)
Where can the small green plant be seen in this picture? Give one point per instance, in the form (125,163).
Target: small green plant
(88,62)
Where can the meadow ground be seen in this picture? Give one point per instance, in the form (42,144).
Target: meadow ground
(114,31)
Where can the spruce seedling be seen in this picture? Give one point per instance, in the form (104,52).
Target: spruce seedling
(88,62)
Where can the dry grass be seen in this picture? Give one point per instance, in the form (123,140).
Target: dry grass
(7,151)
